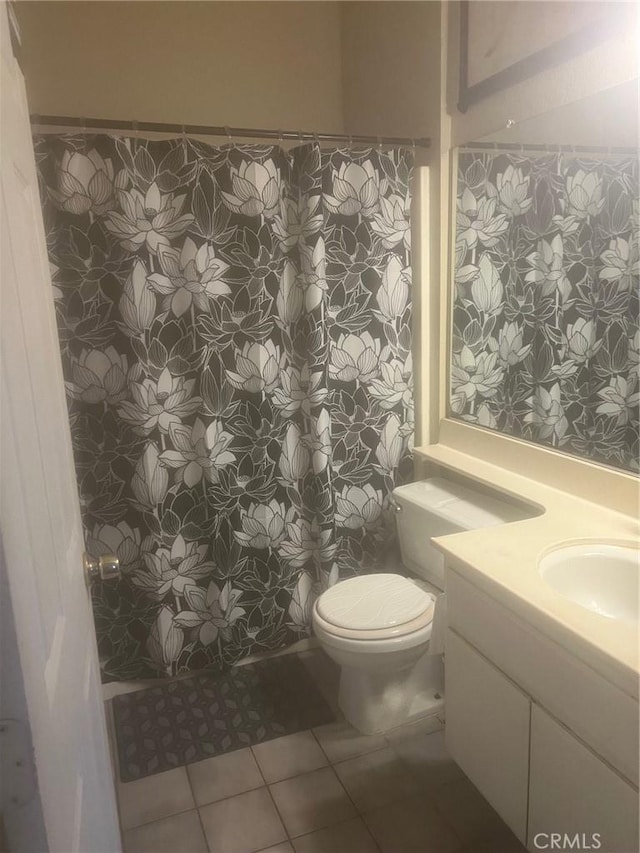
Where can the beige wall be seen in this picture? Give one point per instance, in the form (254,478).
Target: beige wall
(391,86)
(254,64)
(606,119)
(365,67)
(391,67)
(607,64)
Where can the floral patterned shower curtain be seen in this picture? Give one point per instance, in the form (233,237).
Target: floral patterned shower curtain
(235,333)
(546,327)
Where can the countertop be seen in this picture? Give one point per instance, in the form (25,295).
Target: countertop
(503,561)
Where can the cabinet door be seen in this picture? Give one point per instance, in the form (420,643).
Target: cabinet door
(487,730)
(574,793)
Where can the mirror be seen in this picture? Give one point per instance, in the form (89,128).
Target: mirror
(545,324)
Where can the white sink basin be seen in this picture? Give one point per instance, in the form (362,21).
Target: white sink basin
(601,578)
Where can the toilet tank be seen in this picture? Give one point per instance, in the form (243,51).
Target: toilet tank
(436,507)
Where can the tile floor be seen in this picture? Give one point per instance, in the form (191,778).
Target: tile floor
(327,790)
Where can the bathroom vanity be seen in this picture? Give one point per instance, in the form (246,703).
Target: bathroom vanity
(550,742)
(541,692)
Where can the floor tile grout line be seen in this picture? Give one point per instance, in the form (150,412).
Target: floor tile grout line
(197,807)
(300,834)
(362,755)
(359,813)
(350,798)
(324,752)
(158,819)
(275,805)
(204,834)
(338,823)
(357,755)
(264,784)
(230,797)
(169,817)
(465,846)
(295,775)
(326,826)
(414,777)
(329,763)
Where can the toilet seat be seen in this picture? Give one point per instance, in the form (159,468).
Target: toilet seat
(374,607)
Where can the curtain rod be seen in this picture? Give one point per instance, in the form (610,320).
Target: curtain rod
(555,148)
(205,130)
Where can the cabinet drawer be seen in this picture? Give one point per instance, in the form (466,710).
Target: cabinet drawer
(487,730)
(573,792)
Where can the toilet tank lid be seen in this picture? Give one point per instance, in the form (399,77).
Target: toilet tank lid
(457,504)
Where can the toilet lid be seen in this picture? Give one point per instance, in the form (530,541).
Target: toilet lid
(380,602)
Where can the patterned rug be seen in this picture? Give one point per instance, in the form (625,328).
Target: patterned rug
(194,718)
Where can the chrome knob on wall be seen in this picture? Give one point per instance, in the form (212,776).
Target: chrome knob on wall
(103,568)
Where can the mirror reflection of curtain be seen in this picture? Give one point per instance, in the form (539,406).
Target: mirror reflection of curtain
(235,330)
(546,340)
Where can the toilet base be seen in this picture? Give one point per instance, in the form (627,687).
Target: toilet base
(375,702)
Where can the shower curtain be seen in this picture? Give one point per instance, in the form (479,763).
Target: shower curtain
(546,340)
(236,342)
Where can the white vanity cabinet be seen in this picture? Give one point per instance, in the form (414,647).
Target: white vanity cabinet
(573,792)
(543,766)
(487,730)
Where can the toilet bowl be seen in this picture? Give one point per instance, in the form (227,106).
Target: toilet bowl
(379,628)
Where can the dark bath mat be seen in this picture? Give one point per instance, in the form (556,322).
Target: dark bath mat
(194,718)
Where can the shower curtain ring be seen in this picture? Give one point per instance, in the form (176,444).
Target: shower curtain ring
(316,139)
(379,143)
(280,136)
(227,130)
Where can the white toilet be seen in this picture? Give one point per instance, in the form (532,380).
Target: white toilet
(378,627)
